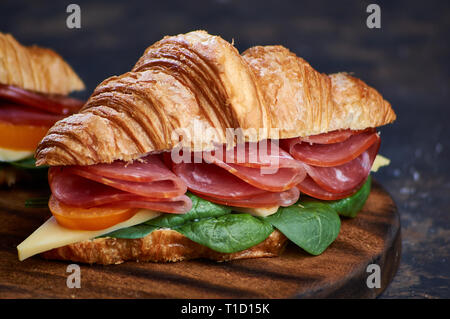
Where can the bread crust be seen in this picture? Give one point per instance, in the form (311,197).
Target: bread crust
(297,96)
(317,103)
(199,83)
(35,69)
(162,245)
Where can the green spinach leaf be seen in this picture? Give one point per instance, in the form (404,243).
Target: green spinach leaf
(350,206)
(201,208)
(313,226)
(227,233)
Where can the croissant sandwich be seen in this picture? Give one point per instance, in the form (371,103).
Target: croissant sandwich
(200,152)
(34,84)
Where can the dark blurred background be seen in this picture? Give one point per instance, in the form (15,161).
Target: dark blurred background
(407,60)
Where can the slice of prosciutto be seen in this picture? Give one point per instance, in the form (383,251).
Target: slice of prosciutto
(263,165)
(81,188)
(212,181)
(311,188)
(176,205)
(328,138)
(329,155)
(267,199)
(219,186)
(16,114)
(147,177)
(346,177)
(248,176)
(333,136)
(56,104)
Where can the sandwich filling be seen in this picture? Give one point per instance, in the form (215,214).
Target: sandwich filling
(223,203)
(25,118)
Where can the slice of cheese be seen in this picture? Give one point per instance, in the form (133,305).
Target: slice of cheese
(51,235)
(380,161)
(263,212)
(7,155)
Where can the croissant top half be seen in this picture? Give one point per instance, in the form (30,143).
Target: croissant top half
(195,83)
(35,69)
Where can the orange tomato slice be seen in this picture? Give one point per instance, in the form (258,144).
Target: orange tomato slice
(95,218)
(21,137)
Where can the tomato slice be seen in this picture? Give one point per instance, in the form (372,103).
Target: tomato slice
(21,137)
(57,104)
(96,218)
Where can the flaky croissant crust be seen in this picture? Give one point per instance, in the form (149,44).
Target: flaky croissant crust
(197,83)
(35,69)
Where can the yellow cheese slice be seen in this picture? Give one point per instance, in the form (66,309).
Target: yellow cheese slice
(7,155)
(380,161)
(51,235)
(263,212)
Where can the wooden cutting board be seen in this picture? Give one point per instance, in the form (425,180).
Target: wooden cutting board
(341,271)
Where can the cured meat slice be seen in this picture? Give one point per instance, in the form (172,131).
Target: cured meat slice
(261,154)
(220,186)
(266,199)
(156,189)
(284,179)
(212,181)
(309,187)
(328,138)
(22,115)
(146,169)
(178,205)
(274,170)
(57,104)
(333,136)
(328,155)
(147,177)
(77,191)
(345,177)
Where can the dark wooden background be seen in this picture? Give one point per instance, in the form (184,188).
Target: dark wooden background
(407,60)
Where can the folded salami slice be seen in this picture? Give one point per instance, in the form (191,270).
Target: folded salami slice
(267,199)
(72,189)
(346,177)
(146,169)
(147,177)
(264,166)
(212,181)
(16,114)
(311,188)
(328,155)
(56,104)
(177,205)
(328,138)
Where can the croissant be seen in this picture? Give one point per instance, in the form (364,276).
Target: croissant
(193,82)
(181,81)
(35,69)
